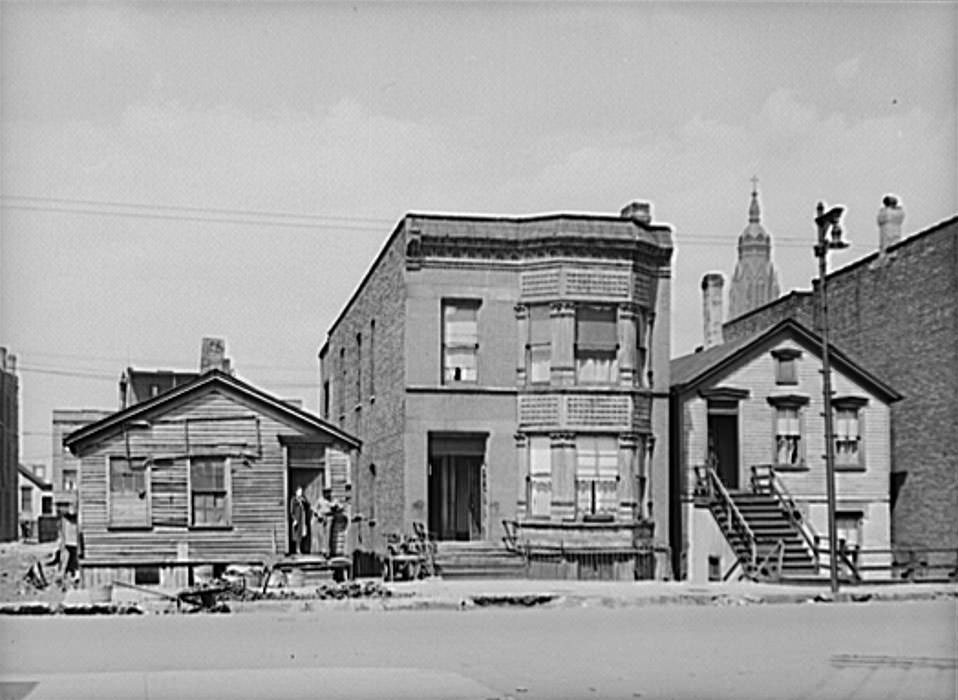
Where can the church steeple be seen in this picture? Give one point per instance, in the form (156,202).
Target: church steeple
(754,282)
(754,211)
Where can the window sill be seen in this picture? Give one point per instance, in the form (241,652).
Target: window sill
(211,527)
(112,527)
(850,468)
(790,467)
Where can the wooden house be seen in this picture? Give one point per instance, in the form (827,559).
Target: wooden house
(199,475)
(749,415)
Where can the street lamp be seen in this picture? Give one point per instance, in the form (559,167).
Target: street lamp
(829,238)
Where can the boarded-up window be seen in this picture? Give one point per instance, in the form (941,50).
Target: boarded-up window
(210,492)
(129,498)
(540,477)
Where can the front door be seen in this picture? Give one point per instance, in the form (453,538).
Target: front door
(305,469)
(723,446)
(455,487)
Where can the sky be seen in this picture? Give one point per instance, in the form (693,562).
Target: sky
(170,171)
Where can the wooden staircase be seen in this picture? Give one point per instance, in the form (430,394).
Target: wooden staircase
(778,543)
(473,560)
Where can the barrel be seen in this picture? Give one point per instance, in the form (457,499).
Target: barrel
(296,578)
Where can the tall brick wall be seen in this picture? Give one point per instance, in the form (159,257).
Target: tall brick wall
(376,414)
(898,318)
(9,451)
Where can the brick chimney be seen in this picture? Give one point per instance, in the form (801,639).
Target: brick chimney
(639,212)
(712,308)
(213,355)
(890,218)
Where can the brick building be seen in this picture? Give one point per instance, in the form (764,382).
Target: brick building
(510,369)
(9,445)
(895,312)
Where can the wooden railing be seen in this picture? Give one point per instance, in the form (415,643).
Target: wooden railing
(709,485)
(765,480)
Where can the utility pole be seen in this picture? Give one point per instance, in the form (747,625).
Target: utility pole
(829,238)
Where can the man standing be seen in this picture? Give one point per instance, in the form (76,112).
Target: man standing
(70,545)
(299,513)
(324,512)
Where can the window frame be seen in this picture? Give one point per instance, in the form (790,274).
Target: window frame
(466,347)
(532,346)
(146,469)
(539,477)
(798,404)
(786,366)
(227,490)
(856,404)
(608,357)
(597,511)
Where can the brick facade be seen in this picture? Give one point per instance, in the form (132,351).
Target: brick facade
(9,445)
(897,315)
(502,266)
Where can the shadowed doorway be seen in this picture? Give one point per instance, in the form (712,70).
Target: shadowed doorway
(455,485)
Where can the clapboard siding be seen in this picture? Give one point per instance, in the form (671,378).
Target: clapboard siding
(243,432)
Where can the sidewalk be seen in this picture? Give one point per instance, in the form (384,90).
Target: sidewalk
(439,594)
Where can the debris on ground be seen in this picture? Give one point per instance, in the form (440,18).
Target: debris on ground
(527,600)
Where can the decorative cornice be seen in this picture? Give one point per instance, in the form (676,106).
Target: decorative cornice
(788,400)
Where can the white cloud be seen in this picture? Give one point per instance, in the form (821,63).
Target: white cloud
(847,71)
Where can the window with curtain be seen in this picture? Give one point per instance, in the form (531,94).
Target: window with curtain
(129,502)
(540,344)
(460,340)
(847,435)
(788,436)
(209,492)
(540,477)
(596,345)
(597,476)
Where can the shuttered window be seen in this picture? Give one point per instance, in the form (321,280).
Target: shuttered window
(540,343)
(540,477)
(209,492)
(129,494)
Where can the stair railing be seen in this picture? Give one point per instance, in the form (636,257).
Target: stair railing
(722,501)
(775,557)
(766,481)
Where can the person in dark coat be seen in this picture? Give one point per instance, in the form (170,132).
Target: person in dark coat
(299,515)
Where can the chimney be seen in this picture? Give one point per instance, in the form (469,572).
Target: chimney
(212,354)
(890,218)
(124,383)
(712,308)
(639,212)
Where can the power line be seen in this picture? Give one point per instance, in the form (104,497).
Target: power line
(127,361)
(195,219)
(207,210)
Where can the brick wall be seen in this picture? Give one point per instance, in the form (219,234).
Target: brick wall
(899,319)
(376,414)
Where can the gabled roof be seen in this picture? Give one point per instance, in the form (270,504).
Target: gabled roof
(691,371)
(179,394)
(33,478)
